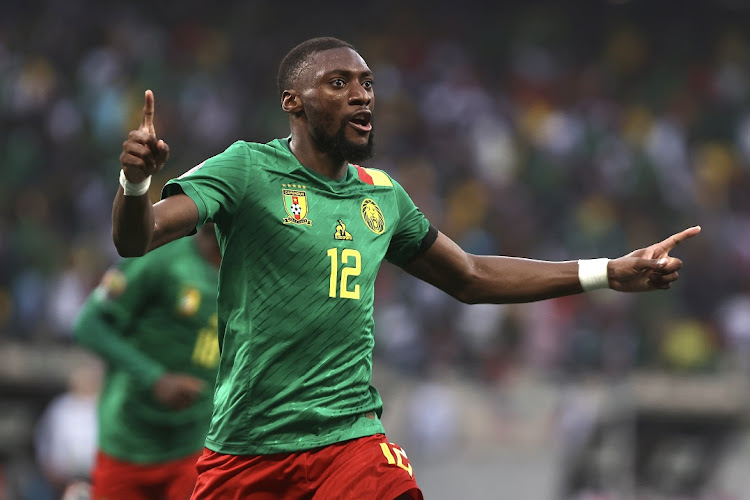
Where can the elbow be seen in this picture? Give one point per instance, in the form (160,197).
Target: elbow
(465,289)
(127,248)
(476,284)
(466,296)
(129,252)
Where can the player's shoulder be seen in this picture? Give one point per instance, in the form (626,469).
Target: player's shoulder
(247,150)
(274,146)
(262,154)
(374,177)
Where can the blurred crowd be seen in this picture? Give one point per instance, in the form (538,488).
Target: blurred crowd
(543,130)
(526,135)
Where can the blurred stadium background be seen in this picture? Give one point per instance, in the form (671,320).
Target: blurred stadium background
(552,130)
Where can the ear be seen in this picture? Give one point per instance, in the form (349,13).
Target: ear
(291,102)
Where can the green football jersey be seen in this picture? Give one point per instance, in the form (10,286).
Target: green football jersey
(296,288)
(151,315)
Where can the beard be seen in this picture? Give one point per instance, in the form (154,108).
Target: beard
(338,147)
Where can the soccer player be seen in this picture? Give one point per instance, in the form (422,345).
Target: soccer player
(153,321)
(303,231)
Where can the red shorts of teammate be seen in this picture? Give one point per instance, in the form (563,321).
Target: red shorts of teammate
(368,468)
(114,479)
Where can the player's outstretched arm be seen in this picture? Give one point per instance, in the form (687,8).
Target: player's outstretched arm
(498,279)
(137,226)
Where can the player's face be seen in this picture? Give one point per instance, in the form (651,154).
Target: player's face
(339,101)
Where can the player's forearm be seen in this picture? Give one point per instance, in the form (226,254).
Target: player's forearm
(476,279)
(92,330)
(500,279)
(132,224)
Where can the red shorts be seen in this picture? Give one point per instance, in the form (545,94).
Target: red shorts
(367,468)
(114,479)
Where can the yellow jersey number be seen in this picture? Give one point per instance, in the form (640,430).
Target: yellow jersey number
(352,266)
(206,350)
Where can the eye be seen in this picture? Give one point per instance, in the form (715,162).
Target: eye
(338,82)
(368,84)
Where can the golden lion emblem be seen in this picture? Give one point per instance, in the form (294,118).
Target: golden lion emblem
(372,216)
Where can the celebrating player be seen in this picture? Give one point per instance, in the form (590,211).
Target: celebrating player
(303,231)
(153,321)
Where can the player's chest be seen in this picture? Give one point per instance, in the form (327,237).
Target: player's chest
(304,215)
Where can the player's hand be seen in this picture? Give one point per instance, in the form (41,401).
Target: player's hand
(177,390)
(142,153)
(650,268)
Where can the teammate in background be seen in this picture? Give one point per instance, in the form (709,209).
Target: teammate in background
(303,232)
(153,321)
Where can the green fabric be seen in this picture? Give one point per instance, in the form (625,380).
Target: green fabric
(295,295)
(151,315)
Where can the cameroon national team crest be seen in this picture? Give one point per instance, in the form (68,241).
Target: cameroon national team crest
(372,216)
(295,204)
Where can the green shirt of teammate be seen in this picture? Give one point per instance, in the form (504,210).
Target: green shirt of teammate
(151,316)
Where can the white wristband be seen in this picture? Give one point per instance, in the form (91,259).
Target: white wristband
(134,188)
(592,273)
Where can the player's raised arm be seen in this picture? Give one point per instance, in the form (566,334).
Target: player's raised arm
(137,226)
(497,279)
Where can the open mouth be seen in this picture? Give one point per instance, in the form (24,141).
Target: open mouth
(362,121)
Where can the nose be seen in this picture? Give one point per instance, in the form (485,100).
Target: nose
(360,95)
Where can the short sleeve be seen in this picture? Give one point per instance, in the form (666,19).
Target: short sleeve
(412,227)
(217,185)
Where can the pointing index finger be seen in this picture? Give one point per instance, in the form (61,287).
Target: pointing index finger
(674,240)
(147,121)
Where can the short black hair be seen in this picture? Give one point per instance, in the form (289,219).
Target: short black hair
(293,61)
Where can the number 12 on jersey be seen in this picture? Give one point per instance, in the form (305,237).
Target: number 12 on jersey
(351,261)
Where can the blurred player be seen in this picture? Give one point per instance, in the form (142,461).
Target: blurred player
(65,436)
(303,232)
(153,321)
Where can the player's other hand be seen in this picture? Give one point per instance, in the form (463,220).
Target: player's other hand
(650,268)
(177,390)
(142,153)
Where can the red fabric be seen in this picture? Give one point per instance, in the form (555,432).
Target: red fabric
(364,176)
(114,479)
(356,469)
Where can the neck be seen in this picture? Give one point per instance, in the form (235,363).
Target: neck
(312,158)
